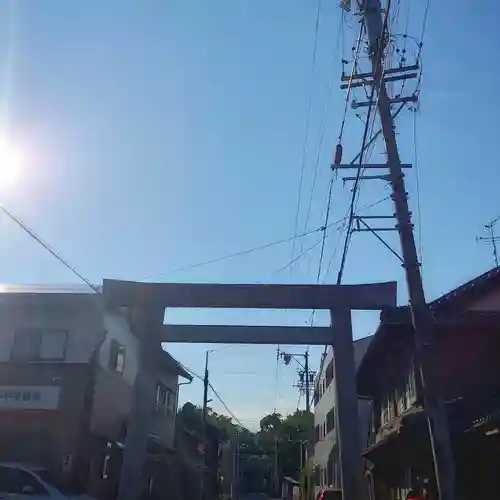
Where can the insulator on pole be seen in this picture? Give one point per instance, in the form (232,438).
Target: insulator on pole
(338,155)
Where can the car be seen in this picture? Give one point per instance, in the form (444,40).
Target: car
(329,494)
(20,482)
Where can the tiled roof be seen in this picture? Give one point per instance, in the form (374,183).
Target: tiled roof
(468,289)
(449,308)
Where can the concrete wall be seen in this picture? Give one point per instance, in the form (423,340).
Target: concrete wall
(113,390)
(325,450)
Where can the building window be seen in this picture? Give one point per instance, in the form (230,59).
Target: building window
(117,355)
(330,420)
(165,399)
(33,344)
(316,432)
(329,373)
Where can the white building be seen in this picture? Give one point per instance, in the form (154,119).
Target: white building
(326,461)
(67,367)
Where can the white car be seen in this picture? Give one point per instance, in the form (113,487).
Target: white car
(19,482)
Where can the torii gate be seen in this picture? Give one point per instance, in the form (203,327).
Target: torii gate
(148,301)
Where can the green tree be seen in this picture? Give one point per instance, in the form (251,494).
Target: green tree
(191,417)
(286,435)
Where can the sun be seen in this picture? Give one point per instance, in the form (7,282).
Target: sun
(10,162)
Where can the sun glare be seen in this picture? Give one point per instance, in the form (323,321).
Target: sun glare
(10,163)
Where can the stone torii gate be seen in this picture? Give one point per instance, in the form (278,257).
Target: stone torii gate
(147,303)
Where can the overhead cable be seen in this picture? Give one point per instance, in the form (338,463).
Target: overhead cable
(217,395)
(47,247)
(324,122)
(306,131)
(233,255)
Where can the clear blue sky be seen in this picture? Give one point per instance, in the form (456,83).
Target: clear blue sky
(161,133)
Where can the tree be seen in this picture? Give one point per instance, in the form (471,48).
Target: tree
(286,435)
(191,417)
(271,423)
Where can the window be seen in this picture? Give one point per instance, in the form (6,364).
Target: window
(330,420)
(329,373)
(161,395)
(165,399)
(316,430)
(31,344)
(18,481)
(117,356)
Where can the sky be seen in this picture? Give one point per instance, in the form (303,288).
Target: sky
(158,134)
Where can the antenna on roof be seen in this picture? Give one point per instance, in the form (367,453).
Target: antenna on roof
(491,238)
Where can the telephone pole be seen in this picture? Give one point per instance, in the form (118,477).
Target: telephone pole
(306,370)
(306,376)
(492,238)
(205,427)
(444,467)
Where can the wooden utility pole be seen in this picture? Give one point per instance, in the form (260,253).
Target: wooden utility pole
(205,428)
(307,381)
(376,29)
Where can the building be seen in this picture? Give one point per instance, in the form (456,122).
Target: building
(198,462)
(326,461)
(467,376)
(67,366)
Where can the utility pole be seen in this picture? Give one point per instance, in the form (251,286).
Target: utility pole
(205,427)
(306,376)
(276,465)
(376,28)
(492,238)
(306,369)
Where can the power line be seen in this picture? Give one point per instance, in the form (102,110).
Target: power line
(331,180)
(293,261)
(47,247)
(361,154)
(364,145)
(324,122)
(306,131)
(323,240)
(217,395)
(232,255)
(417,178)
